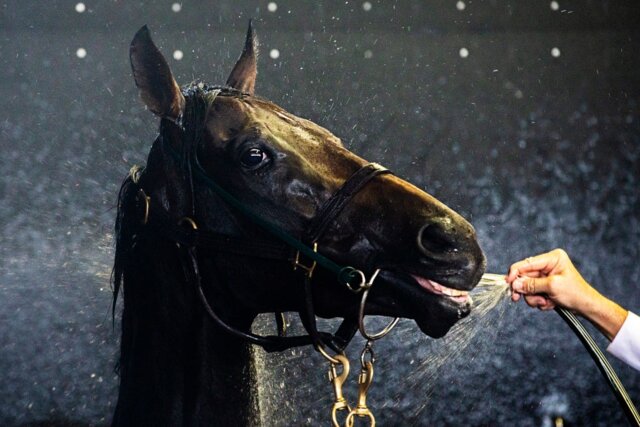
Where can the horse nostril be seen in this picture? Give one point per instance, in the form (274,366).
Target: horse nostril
(434,238)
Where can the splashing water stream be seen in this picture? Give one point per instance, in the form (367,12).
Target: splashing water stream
(488,299)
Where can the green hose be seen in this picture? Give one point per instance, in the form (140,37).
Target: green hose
(603,364)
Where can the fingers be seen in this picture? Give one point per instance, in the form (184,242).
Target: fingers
(539,264)
(540,302)
(531,285)
(534,301)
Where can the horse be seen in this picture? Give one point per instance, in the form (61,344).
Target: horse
(244,208)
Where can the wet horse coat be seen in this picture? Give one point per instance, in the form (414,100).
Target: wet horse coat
(179,368)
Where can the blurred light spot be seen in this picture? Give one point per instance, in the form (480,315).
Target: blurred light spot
(176,7)
(555,52)
(272,6)
(464,52)
(366,6)
(80,7)
(81,53)
(522,144)
(461,6)
(554,5)
(368,54)
(518,94)
(178,55)
(274,53)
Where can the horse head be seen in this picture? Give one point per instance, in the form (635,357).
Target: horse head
(285,169)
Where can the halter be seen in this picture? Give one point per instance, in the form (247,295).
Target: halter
(186,234)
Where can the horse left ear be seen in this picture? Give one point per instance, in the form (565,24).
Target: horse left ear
(243,76)
(158,89)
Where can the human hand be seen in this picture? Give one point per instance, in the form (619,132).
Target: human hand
(551,279)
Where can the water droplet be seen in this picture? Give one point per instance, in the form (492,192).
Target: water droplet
(272,6)
(80,7)
(555,52)
(178,55)
(368,54)
(464,52)
(461,6)
(274,53)
(81,53)
(366,6)
(176,7)
(554,5)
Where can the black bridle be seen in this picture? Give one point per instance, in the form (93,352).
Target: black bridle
(185,233)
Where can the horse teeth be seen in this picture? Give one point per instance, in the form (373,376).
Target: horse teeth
(437,288)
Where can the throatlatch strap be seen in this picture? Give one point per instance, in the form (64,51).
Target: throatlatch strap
(330,210)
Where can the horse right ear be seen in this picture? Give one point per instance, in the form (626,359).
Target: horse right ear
(243,75)
(158,89)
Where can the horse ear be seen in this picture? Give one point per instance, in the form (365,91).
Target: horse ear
(158,89)
(243,76)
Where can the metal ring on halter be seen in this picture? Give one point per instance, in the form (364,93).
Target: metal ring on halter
(363,331)
(362,285)
(326,355)
(189,221)
(147,201)
(368,349)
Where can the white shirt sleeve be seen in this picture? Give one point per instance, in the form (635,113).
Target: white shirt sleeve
(626,344)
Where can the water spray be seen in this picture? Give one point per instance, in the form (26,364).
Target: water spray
(498,280)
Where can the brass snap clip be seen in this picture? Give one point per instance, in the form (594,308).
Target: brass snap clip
(337,380)
(364,382)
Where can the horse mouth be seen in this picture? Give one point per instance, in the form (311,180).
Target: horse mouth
(436,288)
(433,303)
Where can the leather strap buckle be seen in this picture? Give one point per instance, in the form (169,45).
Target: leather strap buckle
(297,264)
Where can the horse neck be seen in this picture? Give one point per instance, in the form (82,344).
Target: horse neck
(177,367)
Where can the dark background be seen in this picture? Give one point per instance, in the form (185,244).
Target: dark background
(537,150)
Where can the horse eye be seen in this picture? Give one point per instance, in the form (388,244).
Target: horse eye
(252,158)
